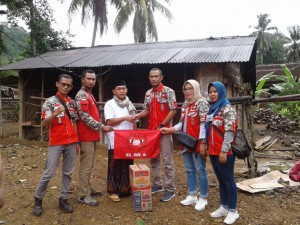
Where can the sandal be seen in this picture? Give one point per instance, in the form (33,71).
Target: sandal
(114,197)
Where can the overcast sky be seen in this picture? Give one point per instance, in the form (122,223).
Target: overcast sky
(193,19)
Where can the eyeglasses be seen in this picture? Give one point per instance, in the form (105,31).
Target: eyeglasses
(66,85)
(188,89)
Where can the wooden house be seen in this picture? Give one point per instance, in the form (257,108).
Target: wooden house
(230,60)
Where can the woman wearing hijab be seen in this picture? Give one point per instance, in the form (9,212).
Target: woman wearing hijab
(192,122)
(220,126)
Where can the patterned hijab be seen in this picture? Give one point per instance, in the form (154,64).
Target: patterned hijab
(197,94)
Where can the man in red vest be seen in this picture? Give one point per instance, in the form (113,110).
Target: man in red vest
(60,115)
(160,106)
(89,126)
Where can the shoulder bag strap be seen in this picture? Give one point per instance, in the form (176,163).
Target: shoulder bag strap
(218,130)
(64,104)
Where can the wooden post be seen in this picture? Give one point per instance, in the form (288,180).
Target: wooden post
(21,108)
(252,162)
(1,121)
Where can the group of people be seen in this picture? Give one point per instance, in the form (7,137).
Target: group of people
(74,129)
(214,126)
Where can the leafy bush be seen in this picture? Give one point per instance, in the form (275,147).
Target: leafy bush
(283,85)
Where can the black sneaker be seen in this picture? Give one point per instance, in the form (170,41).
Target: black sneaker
(37,209)
(65,206)
(167,196)
(155,189)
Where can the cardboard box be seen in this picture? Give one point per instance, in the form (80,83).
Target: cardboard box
(139,177)
(142,200)
(140,186)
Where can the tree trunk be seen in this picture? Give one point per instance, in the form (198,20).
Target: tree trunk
(142,37)
(32,29)
(262,58)
(94,32)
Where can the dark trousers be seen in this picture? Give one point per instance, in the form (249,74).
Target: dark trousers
(227,185)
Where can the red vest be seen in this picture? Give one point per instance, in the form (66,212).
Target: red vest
(215,140)
(193,121)
(61,130)
(85,133)
(159,106)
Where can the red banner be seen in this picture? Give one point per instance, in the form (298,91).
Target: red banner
(136,144)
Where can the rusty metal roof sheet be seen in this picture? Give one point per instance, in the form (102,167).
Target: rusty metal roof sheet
(210,50)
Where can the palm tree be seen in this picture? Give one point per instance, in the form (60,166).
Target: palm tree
(144,26)
(262,34)
(293,48)
(96,9)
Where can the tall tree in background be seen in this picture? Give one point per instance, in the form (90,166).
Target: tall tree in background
(262,34)
(293,47)
(13,52)
(276,53)
(144,26)
(38,17)
(2,46)
(91,9)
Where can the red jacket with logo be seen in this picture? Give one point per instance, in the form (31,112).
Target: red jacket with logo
(215,140)
(61,130)
(193,121)
(159,102)
(88,125)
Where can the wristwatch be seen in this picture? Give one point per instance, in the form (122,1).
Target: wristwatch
(161,125)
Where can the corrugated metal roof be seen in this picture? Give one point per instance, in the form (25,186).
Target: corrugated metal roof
(211,50)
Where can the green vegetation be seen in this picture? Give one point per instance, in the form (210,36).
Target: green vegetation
(273,46)
(97,9)
(281,85)
(39,37)
(140,222)
(14,52)
(38,18)
(144,26)
(276,53)
(262,33)
(292,50)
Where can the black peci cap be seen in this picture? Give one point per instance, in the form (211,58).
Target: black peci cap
(118,83)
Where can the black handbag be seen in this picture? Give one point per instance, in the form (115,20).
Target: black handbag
(240,147)
(187,141)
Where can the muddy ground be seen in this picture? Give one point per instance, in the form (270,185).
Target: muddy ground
(24,162)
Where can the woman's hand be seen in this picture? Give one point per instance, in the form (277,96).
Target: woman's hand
(203,151)
(165,130)
(223,157)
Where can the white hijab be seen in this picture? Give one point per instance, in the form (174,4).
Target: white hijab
(197,95)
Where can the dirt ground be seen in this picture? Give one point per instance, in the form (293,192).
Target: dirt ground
(24,162)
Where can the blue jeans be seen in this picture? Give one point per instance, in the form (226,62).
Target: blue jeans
(227,185)
(196,168)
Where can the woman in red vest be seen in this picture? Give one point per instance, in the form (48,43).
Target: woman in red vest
(193,113)
(220,126)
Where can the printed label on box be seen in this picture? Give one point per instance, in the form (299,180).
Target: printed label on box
(142,200)
(139,176)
